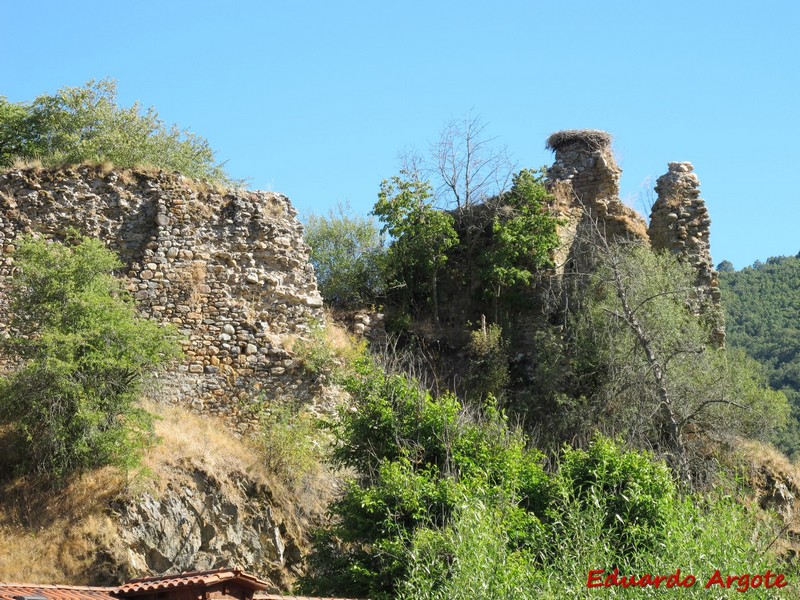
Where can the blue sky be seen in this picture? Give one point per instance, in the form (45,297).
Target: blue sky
(316,99)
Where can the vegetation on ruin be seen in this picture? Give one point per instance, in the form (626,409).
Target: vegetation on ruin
(513,432)
(87,125)
(613,450)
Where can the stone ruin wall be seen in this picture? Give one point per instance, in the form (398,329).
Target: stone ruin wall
(228,267)
(585,182)
(679,222)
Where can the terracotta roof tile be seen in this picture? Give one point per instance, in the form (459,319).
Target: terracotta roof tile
(8,591)
(166,582)
(143,585)
(263,596)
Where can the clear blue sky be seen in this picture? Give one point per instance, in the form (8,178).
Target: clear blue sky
(315,99)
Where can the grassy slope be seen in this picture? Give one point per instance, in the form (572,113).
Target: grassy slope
(65,536)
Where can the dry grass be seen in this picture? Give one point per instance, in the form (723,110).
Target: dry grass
(758,456)
(69,535)
(27,165)
(201,441)
(53,536)
(328,346)
(765,469)
(274,207)
(60,535)
(344,345)
(193,277)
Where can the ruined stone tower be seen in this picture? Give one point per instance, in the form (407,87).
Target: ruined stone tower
(585,182)
(679,223)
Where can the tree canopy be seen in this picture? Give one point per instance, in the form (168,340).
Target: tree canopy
(348,256)
(762,309)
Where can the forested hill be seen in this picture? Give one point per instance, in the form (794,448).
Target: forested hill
(762,305)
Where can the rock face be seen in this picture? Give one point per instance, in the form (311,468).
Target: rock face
(228,267)
(206,522)
(679,223)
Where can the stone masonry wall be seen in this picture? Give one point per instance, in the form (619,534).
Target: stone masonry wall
(585,178)
(228,267)
(584,181)
(680,223)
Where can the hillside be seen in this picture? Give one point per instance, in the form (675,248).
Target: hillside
(203,498)
(762,306)
(553,391)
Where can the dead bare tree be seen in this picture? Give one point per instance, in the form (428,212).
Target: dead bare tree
(468,165)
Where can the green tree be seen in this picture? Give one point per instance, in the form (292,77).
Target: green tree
(421,236)
(348,256)
(85,124)
(523,235)
(726,266)
(762,312)
(661,384)
(85,352)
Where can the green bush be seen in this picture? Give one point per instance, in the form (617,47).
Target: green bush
(417,459)
(633,492)
(475,557)
(84,352)
(85,124)
(315,353)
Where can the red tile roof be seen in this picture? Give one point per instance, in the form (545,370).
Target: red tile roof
(195,578)
(8,591)
(146,585)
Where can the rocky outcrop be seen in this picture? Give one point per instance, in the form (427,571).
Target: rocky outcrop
(679,223)
(228,267)
(206,521)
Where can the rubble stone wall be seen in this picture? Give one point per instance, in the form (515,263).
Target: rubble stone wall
(679,223)
(229,268)
(585,180)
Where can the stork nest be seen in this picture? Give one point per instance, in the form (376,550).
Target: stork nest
(591,139)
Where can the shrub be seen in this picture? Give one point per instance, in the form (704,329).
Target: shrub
(85,351)
(488,373)
(417,458)
(290,442)
(328,350)
(633,493)
(475,557)
(85,124)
